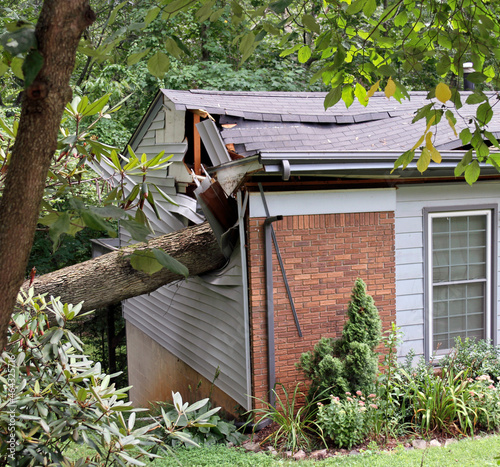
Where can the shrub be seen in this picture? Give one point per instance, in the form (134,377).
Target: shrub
(486,402)
(52,395)
(479,357)
(346,421)
(216,431)
(350,363)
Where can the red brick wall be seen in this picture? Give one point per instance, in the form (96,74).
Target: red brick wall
(323,256)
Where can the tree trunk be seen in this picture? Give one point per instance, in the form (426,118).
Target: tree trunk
(58,32)
(110,278)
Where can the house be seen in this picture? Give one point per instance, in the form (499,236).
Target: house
(304,201)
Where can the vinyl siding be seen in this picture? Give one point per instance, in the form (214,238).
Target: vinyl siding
(201,321)
(409,227)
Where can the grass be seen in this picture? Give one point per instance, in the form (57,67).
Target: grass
(470,452)
(480,452)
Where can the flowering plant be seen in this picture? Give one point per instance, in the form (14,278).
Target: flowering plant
(346,421)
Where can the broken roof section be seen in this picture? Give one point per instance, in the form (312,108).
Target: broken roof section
(256,122)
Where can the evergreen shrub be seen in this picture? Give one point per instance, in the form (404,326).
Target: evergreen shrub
(348,364)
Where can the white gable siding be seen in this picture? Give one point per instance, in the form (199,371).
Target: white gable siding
(409,225)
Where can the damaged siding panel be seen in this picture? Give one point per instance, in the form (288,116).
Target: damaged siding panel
(201,322)
(409,227)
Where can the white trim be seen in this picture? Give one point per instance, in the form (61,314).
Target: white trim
(429,282)
(296,203)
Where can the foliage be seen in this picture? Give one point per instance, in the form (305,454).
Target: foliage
(52,395)
(296,425)
(346,421)
(479,357)
(394,413)
(443,404)
(486,402)
(350,363)
(219,431)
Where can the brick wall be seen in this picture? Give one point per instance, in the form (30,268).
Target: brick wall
(323,256)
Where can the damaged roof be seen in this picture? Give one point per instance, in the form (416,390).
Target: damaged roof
(257,122)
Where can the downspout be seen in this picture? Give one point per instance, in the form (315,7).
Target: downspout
(271,360)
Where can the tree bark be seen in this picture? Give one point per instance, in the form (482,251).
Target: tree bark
(58,31)
(110,278)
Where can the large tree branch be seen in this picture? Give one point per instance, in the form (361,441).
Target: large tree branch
(110,278)
(58,33)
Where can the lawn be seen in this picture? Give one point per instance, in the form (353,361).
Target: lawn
(476,452)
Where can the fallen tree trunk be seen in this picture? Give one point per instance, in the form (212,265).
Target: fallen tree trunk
(110,278)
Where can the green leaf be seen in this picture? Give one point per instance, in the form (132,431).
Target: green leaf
(348,95)
(280,6)
(403,160)
(205,11)
(304,54)
(114,13)
(476,77)
(360,93)
(401,18)
(145,261)
(136,57)
(151,15)
(472,172)
(310,23)
(461,166)
(170,263)
(173,48)
(443,66)
(95,222)
(139,232)
(333,97)
(355,7)
(96,106)
(60,226)
(369,8)
(158,64)
(476,98)
(423,112)
(492,139)
(16,65)
(465,136)
(31,66)
(484,113)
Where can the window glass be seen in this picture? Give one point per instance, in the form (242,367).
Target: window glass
(460,252)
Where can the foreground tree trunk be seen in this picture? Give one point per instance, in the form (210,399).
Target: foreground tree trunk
(110,278)
(58,31)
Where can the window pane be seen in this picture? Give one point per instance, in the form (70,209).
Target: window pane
(441,241)
(459,255)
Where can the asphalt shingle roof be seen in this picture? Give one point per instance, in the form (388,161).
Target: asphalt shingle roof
(299,122)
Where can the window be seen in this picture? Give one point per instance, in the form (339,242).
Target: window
(459,275)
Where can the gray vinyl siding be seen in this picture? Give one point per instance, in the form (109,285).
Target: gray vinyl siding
(201,321)
(410,251)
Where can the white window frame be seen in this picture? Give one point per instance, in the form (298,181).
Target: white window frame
(488,213)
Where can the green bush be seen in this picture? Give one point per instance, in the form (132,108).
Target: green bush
(478,357)
(216,431)
(346,421)
(350,363)
(53,395)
